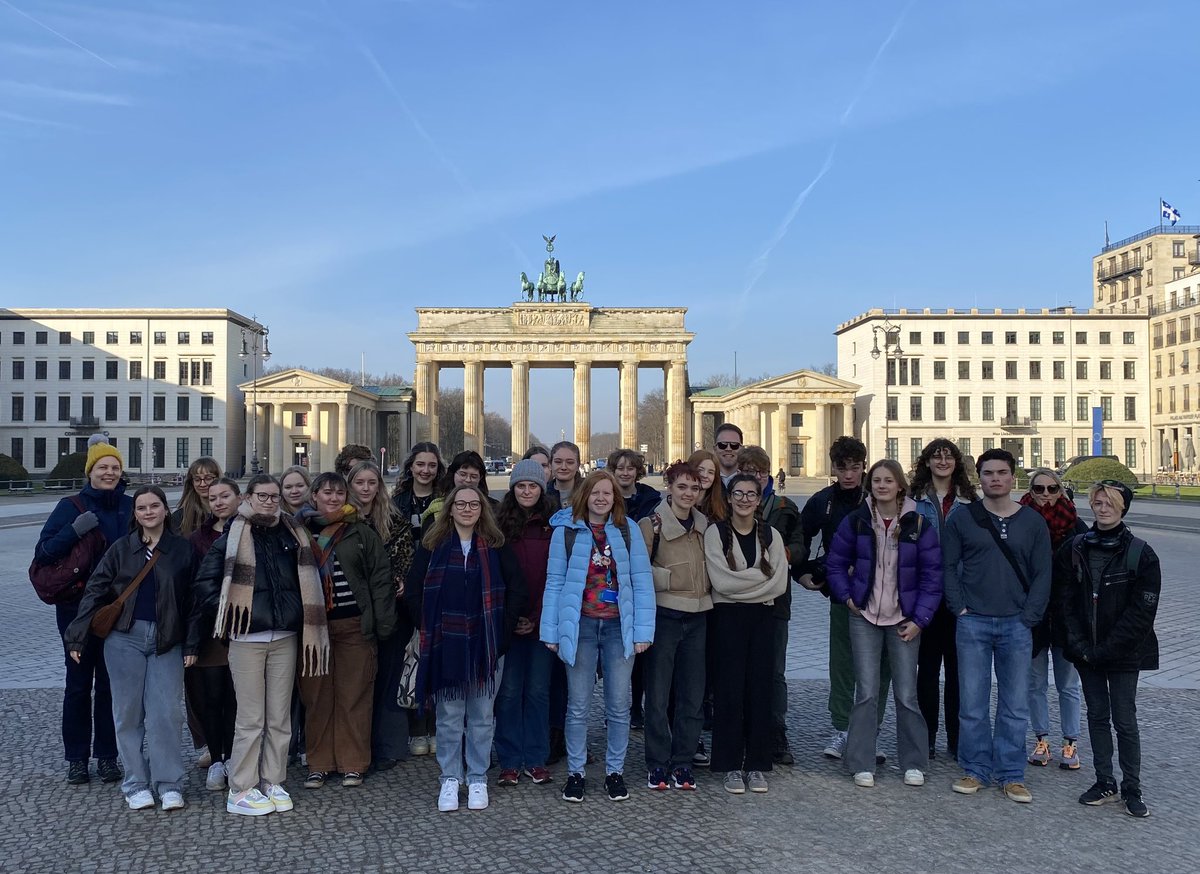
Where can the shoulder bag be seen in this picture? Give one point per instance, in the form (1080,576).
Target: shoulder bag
(106,617)
(63,580)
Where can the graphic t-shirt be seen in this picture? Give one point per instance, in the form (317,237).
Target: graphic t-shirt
(601,578)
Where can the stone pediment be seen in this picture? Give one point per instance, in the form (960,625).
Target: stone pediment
(808,380)
(798,385)
(300,383)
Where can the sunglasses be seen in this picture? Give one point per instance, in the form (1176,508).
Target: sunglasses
(728,445)
(1046,490)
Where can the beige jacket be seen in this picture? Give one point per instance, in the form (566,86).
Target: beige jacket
(740,584)
(679,567)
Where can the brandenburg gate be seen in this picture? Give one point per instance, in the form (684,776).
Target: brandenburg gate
(569,333)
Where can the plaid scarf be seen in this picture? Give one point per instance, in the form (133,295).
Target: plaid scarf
(460,635)
(1060,517)
(329,533)
(237,586)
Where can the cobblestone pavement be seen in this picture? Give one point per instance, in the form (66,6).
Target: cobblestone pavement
(813,818)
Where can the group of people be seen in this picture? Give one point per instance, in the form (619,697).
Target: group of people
(326,619)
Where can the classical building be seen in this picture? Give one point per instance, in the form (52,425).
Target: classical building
(1130,274)
(162,384)
(1175,350)
(1023,380)
(568,334)
(793,417)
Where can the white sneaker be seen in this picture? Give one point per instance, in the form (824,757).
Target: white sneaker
(217,776)
(140,800)
(914,777)
(172,800)
(448,797)
(433,745)
(837,745)
(865,779)
(279,797)
(477,797)
(419,746)
(248,803)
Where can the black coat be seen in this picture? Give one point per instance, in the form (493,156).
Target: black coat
(177,614)
(276,605)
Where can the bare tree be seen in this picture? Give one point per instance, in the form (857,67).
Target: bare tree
(602,444)
(829,368)
(652,426)
(727,379)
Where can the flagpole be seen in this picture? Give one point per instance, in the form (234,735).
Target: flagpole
(1160,213)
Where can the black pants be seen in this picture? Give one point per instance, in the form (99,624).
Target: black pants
(938,647)
(674,671)
(1111,703)
(80,714)
(742,640)
(217,710)
(389,723)
(637,684)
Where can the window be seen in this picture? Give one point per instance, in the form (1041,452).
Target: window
(64,408)
(964,408)
(964,338)
(1106,338)
(1081,338)
(89,370)
(300,420)
(1035,338)
(64,370)
(1081,370)
(39,369)
(135,338)
(1187,403)
(986,338)
(1058,338)
(893,408)
(1035,409)
(1060,450)
(39,408)
(797,419)
(1106,370)
(893,447)
(796,454)
(206,445)
(110,408)
(160,369)
(939,409)
(39,452)
(159,413)
(1010,370)
(18,369)
(914,409)
(183,373)
(1106,409)
(207,367)
(964,446)
(135,452)
(195,366)
(989,409)
(1158,400)
(1131,453)
(1127,338)
(158,452)
(1035,450)
(87,411)
(939,338)
(160,338)
(914,338)
(987,370)
(183,408)
(1010,338)
(914,371)
(206,339)
(110,337)
(1177,249)
(206,413)
(989,443)
(89,338)
(1060,408)
(939,370)
(18,408)
(1081,411)
(1130,368)
(1035,370)
(1171,401)
(18,338)
(135,370)
(135,409)
(183,338)
(964,370)
(915,445)
(41,338)
(64,338)
(17,450)
(1158,367)
(181,452)
(1082,447)
(1149,278)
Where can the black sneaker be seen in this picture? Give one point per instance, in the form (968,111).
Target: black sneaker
(657,779)
(614,785)
(1134,806)
(1100,793)
(109,770)
(681,778)
(637,721)
(77,773)
(700,758)
(573,791)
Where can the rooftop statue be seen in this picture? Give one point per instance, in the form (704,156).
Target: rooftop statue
(552,282)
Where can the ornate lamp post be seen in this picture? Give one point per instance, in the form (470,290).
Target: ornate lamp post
(891,351)
(257,347)
(1145,466)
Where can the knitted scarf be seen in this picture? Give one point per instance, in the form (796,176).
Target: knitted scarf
(237,586)
(1060,517)
(329,533)
(460,646)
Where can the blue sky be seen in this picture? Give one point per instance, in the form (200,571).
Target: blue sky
(776,167)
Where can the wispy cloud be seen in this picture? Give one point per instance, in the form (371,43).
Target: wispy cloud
(58,34)
(59,56)
(43,92)
(34,121)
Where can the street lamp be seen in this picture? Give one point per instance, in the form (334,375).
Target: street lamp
(1145,466)
(254,350)
(891,352)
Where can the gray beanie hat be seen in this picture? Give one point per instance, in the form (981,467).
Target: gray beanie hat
(528,471)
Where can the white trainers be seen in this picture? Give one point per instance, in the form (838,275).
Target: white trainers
(419,746)
(279,797)
(217,777)
(248,803)
(914,777)
(140,800)
(172,800)
(864,779)
(448,797)
(837,745)
(477,797)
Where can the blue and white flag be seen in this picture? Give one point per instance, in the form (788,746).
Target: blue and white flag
(1169,212)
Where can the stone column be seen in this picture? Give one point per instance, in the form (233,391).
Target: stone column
(314,437)
(677,442)
(818,460)
(343,425)
(433,410)
(421,387)
(847,420)
(249,438)
(697,430)
(520,408)
(629,403)
(764,428)
(473,406)
(277,458)
(783,439)
(583,408)
(747,417)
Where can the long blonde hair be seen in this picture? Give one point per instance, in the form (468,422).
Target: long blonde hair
(378,515)
(443,523)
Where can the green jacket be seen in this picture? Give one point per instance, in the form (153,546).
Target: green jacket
(782,514)
(368,572)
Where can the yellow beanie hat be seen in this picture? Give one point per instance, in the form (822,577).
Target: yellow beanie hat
(99,447)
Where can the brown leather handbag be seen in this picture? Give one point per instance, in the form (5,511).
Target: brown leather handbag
(106,617)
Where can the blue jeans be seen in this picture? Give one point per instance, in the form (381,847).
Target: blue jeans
(147,694)
(523,704)
(1070,698)
(598,639)
(78,721)
(472,716)
(985,753)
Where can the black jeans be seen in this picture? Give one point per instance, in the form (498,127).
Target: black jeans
(81,714)
(938,647)
(389,723)
(742,637)
(676,660)
(1111,703)
(217,710)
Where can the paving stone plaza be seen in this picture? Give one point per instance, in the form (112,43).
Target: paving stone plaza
(812,819)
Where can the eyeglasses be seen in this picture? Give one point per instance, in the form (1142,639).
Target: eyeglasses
(1046,490)
(467,476)
(751,471)
(204,480)
(267,498)
(728,445)
(466,505)
(944,455)
(741,495)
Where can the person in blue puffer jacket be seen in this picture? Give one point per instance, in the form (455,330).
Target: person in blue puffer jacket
(885,565)
(599,604)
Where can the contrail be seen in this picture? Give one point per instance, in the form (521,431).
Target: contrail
(61,36)
(758,266)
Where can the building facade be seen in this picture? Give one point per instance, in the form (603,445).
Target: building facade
(1130,274)
(1022,380)
(161,384)
(1175,385)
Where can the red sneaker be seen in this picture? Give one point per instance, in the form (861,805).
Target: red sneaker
(508,777)
(539,775)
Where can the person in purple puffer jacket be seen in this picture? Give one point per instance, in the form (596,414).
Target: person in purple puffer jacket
(885,565)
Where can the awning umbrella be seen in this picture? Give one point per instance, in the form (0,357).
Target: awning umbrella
(1167,459)
(1189,454)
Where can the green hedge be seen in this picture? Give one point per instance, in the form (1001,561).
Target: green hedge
(11,469)
(70,467)
(1087,472)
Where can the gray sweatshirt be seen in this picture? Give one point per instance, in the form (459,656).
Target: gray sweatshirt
(978,577)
